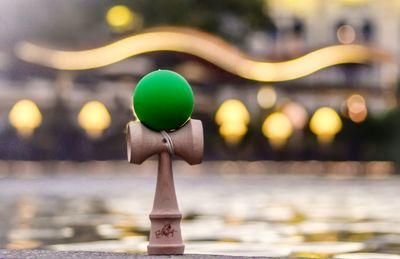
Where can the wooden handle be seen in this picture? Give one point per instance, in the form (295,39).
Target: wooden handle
(165,232)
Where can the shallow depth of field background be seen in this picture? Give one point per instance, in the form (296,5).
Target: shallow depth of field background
(298,99)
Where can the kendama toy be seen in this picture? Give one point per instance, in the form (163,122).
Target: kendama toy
(163,102)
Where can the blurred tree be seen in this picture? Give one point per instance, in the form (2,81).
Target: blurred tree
(82,23)
(228,18)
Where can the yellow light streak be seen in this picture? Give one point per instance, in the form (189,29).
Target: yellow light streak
(203,45)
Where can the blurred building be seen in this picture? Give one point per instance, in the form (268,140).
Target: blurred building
(305,25)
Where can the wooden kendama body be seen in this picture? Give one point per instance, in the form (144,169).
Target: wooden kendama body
(185,142)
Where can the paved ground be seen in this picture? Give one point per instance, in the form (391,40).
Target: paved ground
(43,254)
(230,214)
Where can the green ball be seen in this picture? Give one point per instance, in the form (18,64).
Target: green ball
(163,100)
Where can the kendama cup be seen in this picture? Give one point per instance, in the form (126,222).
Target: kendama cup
(147,138)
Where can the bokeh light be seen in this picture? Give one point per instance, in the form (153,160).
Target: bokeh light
(120,17)
(232,117)
(94,118)
(266,97)
(325,123)
(232,110)
(346,34)
(296,113)
(277,128)
(25,117)
(357,108)
(233,132)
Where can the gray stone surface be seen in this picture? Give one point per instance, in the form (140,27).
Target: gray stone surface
(45,254)
(237,216)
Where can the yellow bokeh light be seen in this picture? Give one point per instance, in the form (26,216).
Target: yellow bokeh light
(25,117)
(277,128)
(232,110)
(357,108)
(120,17)
(325,123)
(233,132)
(232,117)
(266,97)
(94,118)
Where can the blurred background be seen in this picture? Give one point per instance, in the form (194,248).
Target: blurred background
(306,88)
(265,111)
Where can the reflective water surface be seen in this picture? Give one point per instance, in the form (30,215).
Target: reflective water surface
(238,214)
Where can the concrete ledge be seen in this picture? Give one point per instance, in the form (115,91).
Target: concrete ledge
(45,254)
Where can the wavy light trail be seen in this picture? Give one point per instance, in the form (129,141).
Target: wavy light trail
(203,45)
